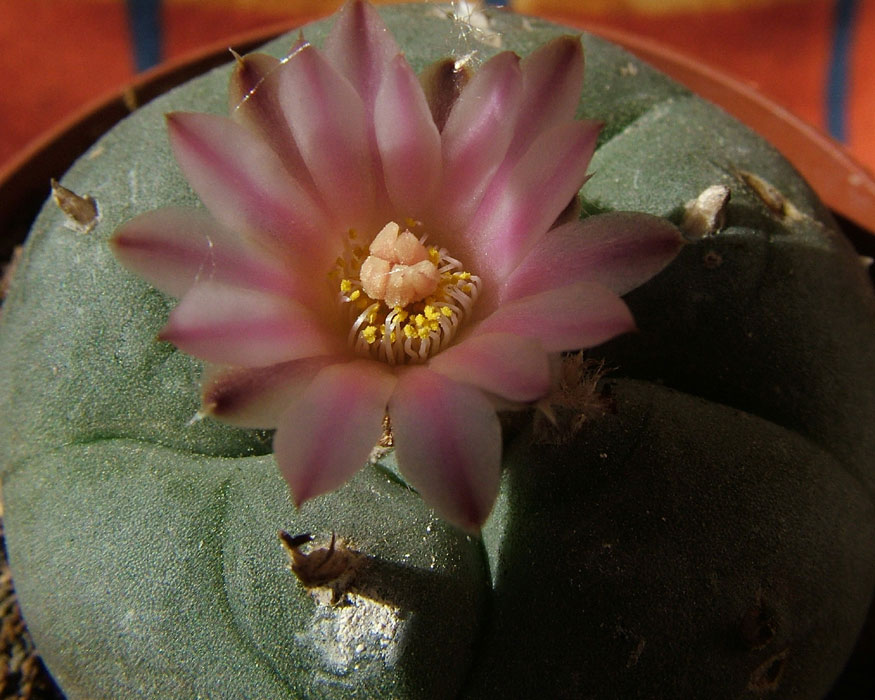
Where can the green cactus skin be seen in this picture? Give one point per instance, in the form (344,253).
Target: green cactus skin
(714,537)
(711,553)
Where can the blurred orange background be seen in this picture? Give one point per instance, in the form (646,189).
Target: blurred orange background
(812,57)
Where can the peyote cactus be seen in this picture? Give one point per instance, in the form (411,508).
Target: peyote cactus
(705,528)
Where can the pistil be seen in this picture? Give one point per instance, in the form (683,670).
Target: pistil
(398,270)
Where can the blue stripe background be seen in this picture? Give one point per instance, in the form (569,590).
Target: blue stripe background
(839,75)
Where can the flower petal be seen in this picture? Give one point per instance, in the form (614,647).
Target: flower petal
(245,186)
(360,48)
(232,326)
(511,366)
(512,219)
(572,317)
(174,248)
(620,250)
(255,397)
(254,102)
(249,72)
(327,435)
(448,443)
(552,84)
(327,119)
(408,140)
(477,133)
(443,82)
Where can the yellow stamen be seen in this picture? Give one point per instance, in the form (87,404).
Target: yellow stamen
(370,334)
(396,332)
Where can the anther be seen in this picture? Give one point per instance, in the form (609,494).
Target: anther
(405,301)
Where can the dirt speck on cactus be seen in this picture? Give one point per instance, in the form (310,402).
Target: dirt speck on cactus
(630,69)
(712,260)
(767,677)
(81,211)
(95,153)
(636,653)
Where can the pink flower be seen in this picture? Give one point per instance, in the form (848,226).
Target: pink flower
(374,247)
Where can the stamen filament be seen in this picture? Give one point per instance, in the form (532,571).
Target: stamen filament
(414,332)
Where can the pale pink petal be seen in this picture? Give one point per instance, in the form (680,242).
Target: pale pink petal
(360,47)
(477,133)
(254,100)
(408,140)
(327,435)
(174,248)
(255,397)
(512,219)
(328,121)
(552,84)
(448,443)
(511,366)
(234,326)
(576,316)
(245,186)
(620,250)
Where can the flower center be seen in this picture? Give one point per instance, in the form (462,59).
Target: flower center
(405,301)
